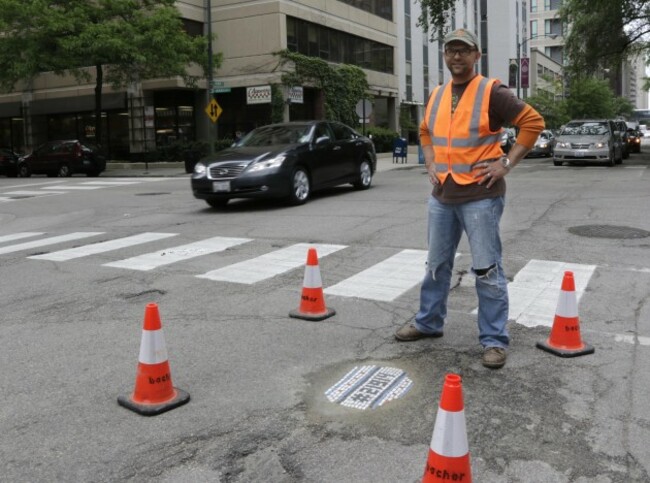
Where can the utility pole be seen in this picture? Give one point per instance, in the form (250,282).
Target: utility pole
(210,69)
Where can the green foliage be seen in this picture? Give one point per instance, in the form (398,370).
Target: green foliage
(604,32)
(343,85)
(434,16)
(137,39)
(382,138)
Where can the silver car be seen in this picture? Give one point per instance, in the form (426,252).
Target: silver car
(588,141)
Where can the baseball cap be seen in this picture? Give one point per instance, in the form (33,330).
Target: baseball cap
(462,35)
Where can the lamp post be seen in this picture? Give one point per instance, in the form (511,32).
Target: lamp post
(519,47)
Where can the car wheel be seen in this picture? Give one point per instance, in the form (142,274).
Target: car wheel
(64,171)
(217,203)
(557,163)
(300,188)
(24,171)
(364,176)
(612,159)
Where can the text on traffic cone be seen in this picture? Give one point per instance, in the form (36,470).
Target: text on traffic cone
(565,339)
(312,301)
(448,458)
(154,392)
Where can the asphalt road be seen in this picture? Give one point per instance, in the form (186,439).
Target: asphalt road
(72,313)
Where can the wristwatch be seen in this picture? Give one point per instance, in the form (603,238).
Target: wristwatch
(506,163)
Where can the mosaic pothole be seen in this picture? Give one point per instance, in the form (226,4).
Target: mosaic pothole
(369,387)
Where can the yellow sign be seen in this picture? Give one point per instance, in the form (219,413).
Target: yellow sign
(213,110)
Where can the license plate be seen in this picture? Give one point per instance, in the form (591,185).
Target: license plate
(220,186)
(580,154)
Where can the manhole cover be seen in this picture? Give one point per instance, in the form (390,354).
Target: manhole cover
(608,231)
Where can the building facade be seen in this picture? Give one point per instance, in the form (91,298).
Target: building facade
(145,116)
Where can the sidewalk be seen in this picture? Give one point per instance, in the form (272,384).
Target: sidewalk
(177,168)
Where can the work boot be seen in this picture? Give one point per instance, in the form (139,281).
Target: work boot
(494,357)
(409,333)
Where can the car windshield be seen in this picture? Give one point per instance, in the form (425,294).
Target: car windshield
(585,129)
(271,135)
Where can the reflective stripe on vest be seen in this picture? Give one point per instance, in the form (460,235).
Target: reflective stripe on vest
(467,141)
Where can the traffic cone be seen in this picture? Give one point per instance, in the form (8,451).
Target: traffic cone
(449,454)
(154,392)
(565,340)
(312,302)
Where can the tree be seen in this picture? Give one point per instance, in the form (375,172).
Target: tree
(592,98)
(604,32)
(123,41)
(434,16)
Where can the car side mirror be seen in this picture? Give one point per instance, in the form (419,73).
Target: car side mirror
(323,140)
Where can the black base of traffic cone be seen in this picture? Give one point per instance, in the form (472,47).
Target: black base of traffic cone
(181,398)
(587,349)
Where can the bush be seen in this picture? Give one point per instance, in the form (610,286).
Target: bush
(382,138)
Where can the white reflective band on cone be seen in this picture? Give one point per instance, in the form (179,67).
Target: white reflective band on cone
(567,306)
(312,277)
(450,434)
(152,347)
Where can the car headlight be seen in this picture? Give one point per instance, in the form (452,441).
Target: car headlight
(542,145)
(601,145)
(267,164)
(563,145)
(200,168)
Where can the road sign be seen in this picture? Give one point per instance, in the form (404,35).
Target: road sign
(220,90)
(213,110)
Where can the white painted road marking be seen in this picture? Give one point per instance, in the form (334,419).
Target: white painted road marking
(386,280)
(149,261)
(102,247)
(270,264)
(535,290)
(19,236)
(48,241)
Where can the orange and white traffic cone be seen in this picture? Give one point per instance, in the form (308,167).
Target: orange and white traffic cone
(565,340)
(154,392)
(449,453)
(312,302)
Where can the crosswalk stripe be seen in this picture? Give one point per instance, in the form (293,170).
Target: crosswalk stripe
(101,247)
(109,183)
(535,289)
(270,264)
(32,193)
(149,261)
(19,236)
(70,187)
(386,280)
(48,241)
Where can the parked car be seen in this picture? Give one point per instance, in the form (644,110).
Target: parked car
(8,162)
(621,129)
(286,160)
(508,139)
(588,140)
(544,145)
(63,158)
(634,137)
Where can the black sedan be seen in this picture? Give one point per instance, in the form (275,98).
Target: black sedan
(286,160)
(8,162)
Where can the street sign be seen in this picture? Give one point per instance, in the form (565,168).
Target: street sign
(213,110)
(220,90)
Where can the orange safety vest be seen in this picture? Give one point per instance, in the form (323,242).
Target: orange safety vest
(462,139)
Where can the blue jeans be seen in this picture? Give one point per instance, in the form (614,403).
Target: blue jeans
(480,221)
